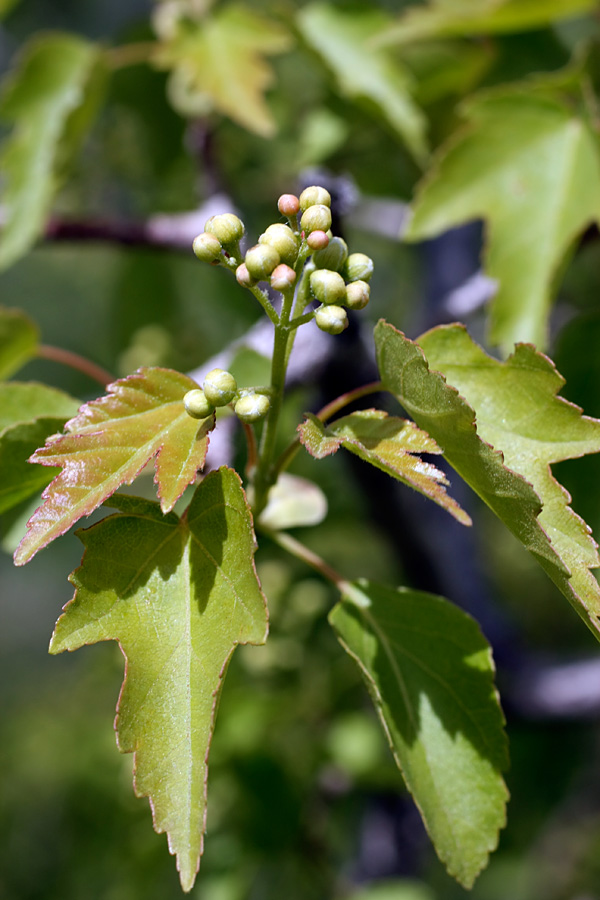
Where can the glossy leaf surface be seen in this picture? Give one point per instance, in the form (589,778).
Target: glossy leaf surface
(364,72)
(108,444)
(49,99)
(431,676)
(504,443)
(391,444)
(179,595)
(18,340)
(529,165)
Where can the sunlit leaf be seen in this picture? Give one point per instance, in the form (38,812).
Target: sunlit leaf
(521,427)
(363,72)
(18,340)
(108,444)
(391,444)
(178,596)
(220,63)
(431,676)
(445,18)
(529,165)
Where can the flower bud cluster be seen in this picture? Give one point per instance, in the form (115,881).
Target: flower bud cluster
(220,389)
(221,234)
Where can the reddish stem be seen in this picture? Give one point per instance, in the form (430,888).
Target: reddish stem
(75,361)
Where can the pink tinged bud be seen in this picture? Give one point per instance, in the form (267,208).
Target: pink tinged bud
(243,276)
(282,278)
(357,294)
(288,205)
(317,240)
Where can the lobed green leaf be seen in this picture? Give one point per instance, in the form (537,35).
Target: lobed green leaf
(431,676)
(388,443)
(108,444)
(178,595)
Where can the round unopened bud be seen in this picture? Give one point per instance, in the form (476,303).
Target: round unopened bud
(282,278)
(288,205)
(357,294)
(220,387)
(313,195)
(333,256)
(243,276)
(332,319)
(227,228)
(316,218)
(281,238)
(328,286)
(197,405)
(252,407)
(261,260)
(317,240)
(359,267)
(207,247)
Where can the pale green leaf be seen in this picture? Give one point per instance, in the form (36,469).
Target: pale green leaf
(521,427)
(391,444)
(293,502)
(220,63)
(50,99)
(24,401)
(178,595)
(108,444)
(18,340)
(529,165)
(363,72)
(431,676)
(447,18)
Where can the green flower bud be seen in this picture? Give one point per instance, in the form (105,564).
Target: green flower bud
(261,260)
(333,256)
(288,205)
(317,240)
(227,228)
(316,218)
(282,278)
(332,319)
(207,247)
(357,294)
(359,267)
(220,387)
(243,276)
(281,238)
(197,405)
(328,286)
(314,195)
(252,407)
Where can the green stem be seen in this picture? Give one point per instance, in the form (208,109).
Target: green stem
(131,54)
(75,361)
(300,551)
(264,301)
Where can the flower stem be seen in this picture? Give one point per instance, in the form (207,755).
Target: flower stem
(300,551)
(75,361)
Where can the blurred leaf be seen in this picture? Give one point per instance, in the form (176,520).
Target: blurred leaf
(449,67)
(19,337)
(363,72)
(431,676)
(220,62)
(109,442)
(446,18)
(388,443)
(179,595)
(23,402)
(6,6)
(521,427)
(529,165)
(400,889)
(321,134)
(50,98)
(293,502)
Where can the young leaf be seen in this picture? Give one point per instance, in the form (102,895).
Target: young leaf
(522,427)
(387,442)
(363,72)
(446,18)
(431,676)
(529,165)
(178,595)
(50,99)
(220,62)
(108,444)
(18,341)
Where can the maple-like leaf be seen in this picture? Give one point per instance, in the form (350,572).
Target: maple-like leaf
(444,18)
(529,165)
(502,438)
(431,676)
(364,72)
(178,595)
(391,444)
(50,99)
(220,62)
(108,444)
